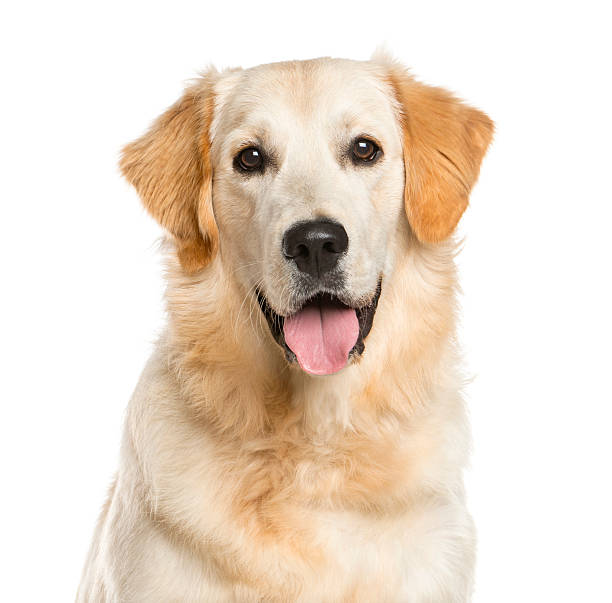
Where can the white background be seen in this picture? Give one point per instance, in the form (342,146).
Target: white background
(81,299)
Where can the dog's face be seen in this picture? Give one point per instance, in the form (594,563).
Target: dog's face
(308,188)
(297,175)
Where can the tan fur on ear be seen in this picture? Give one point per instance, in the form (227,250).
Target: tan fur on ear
(444,143)
(171,169)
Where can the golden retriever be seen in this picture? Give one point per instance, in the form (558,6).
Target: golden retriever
(299,433)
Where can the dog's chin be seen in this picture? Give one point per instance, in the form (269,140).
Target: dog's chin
(324,334)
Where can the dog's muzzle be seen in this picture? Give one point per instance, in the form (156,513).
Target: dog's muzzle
(324,331)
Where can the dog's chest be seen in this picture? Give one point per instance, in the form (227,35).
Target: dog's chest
(363,553)
(405,556)
(352,556)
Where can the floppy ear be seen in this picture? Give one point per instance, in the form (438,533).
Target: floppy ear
(171,169)
(444,142)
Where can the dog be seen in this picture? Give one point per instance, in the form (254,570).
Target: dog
(299,432)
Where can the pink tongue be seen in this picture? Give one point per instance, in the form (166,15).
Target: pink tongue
(321,336)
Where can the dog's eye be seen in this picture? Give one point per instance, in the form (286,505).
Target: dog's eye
(365,150)
(249,160)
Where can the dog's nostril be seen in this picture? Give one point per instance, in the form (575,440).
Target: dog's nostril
(330,247)
(315,246)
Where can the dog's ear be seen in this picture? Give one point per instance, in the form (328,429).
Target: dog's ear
(444,142)
(170,167)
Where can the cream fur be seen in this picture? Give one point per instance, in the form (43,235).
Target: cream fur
(245,479)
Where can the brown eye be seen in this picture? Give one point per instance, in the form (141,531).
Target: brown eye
(249,160)
(365,150)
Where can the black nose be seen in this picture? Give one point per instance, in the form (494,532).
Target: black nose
(315,246)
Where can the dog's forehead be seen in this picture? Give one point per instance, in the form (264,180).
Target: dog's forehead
(323,92)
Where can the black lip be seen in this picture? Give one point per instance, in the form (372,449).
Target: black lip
(365,318)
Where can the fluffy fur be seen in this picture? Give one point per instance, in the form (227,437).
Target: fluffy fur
(243,478)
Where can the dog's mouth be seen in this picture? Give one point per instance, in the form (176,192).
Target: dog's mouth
(324,334)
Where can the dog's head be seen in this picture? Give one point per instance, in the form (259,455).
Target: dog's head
(295,176)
